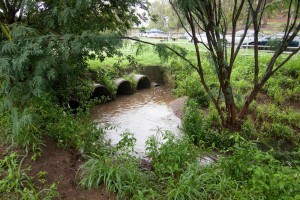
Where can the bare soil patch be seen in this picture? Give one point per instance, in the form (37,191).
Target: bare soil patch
(61,167)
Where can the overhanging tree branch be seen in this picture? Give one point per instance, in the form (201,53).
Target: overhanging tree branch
(169,48)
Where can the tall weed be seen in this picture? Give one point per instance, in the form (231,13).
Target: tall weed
(16,184)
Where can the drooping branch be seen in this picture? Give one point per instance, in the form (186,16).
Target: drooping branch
(179,17)
(169,48)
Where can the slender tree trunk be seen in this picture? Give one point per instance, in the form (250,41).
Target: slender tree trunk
(231,118)
(243,113)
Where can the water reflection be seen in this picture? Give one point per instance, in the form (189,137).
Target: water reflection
(143,114)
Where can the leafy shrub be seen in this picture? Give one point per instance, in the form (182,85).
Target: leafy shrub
(260,174)
(201,128)
(73,132)
(21,128)
(45,119)
(170,154)
(189,85)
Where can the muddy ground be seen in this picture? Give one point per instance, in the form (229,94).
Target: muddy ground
(61,167)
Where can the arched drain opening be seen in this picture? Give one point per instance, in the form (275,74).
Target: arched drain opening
(142,81)
(123,86)
(101,91)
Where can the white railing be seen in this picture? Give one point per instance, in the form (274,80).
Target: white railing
(264,48)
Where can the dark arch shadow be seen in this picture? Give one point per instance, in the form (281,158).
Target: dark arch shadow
(100,91)
(123,86)
(74,103)
(142,81)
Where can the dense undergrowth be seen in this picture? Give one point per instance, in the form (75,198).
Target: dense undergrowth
(259,161)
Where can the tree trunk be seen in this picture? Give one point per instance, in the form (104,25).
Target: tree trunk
(250,98)
(231,119)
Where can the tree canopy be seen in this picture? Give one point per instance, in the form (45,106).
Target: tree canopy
(164,16)
(44,44)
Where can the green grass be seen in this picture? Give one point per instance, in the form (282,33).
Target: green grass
(147,58)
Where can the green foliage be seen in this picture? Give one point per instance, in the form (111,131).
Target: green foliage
(189,85)
(118,174)
(201,128)
(260,173)
(47,55)
(41,70)
(117,169)
(169,154)
(133,83)
(285,85)
(69,131)
(105,77)
(5,31)
(21,128)
(167,52)
(245,173)
(45,119)
(279,125)
(16,184)
(121,172)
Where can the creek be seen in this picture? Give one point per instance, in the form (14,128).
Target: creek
(145,113)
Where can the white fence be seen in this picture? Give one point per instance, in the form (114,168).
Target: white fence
(264,48)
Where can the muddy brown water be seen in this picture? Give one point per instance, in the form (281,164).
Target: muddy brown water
(143,114)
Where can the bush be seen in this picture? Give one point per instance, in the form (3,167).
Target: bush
(202,128)
(188,84)
(43,119)
(170,154)
(21,128)
(260,174)
(71,131)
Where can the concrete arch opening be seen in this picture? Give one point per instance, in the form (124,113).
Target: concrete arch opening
(123,86)
(142,81)
(101,91)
